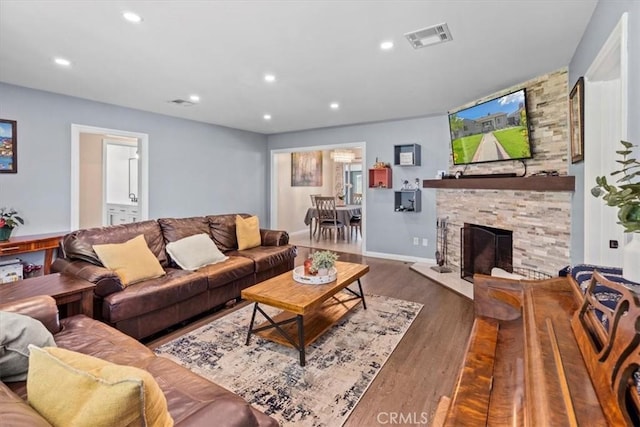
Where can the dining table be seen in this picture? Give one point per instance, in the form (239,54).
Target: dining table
(344,215)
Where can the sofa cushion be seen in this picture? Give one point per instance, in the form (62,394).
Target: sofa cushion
(132,260)
(88,336)
(223,230)
(174,229)
(79,244)
(17,332)
(153,294)
(248,232)
(213,402)
(193,252)
(232,269)
(268,257)
(73,389)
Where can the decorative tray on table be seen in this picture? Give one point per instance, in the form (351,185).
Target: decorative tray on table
(299,276)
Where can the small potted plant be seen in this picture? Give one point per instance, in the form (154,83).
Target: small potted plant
(322,261)
(9,219)
(626,197)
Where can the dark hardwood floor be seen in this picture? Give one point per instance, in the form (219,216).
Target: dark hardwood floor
(425,364)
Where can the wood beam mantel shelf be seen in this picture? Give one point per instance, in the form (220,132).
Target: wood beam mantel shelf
(528,183)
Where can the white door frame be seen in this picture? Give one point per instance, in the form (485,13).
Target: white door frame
(143,139)
(606,116)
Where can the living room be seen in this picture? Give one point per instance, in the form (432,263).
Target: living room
(205,165)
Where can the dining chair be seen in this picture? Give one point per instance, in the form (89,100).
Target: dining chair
(313,224)
(355,224)
(328,217)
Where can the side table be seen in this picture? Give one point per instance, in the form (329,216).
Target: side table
(73,293)
(37,242)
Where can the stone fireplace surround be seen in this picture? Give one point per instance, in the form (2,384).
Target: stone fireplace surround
(540,222)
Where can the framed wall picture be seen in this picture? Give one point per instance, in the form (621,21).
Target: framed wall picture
(8,146)
(306,169)
(576,121)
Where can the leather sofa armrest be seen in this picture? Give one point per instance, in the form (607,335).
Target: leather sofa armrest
(106,281)
(274,237)
(16,412)
(41,307)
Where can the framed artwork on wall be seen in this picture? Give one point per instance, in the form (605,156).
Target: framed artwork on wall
(306,169)
(8,146)
(576,121)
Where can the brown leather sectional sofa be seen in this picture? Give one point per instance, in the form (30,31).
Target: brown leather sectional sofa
(147,307)
(191,399)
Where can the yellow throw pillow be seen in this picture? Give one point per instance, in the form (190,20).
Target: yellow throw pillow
(248,232)
(72,389)
(132,261)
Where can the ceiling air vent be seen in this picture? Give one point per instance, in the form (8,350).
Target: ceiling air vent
(429,36)
(181,102)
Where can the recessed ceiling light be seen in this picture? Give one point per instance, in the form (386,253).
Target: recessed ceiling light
(63,62)
(132,17)
(194,98)
(267,117)
(334,105)
(386,45)
(269,78)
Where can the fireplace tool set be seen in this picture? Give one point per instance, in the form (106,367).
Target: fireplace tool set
(441,246)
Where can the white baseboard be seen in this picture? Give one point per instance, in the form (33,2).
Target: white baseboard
(398,257)
(295,233)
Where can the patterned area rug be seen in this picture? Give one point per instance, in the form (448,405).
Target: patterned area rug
(340,365)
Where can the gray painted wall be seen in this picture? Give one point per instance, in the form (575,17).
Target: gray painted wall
(194,168)
(604,19)
(387,231)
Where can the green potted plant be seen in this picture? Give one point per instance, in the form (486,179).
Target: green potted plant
(9,219)
(322,261)
(626,197)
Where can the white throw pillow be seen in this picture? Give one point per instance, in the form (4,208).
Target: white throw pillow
(195,251)
(499,272)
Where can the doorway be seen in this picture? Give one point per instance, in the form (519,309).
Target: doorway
(290,204)
(605,125)
(99,135)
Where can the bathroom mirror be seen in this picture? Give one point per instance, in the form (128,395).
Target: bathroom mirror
(121,173)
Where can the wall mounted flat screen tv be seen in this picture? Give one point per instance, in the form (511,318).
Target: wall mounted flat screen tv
(492,131)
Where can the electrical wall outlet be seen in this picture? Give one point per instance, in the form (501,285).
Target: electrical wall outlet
(425,241)
(416,241)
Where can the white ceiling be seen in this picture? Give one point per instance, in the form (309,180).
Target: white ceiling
(320,52)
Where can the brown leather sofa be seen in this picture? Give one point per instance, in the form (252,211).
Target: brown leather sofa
(192,400)
(147,307)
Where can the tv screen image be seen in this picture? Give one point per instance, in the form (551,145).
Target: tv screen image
(491,131)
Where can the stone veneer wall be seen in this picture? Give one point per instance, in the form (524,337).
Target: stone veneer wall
(540,221)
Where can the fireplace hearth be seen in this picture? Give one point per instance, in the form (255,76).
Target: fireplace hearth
(483,248)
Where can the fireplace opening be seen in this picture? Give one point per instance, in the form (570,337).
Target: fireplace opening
(483,248)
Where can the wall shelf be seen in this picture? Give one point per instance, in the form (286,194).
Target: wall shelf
(529,183)
(408,201)
(380,178)
(406,155)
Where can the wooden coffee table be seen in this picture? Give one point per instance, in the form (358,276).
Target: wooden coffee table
(308,310)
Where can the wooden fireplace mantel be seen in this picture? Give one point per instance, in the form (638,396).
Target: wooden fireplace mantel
(527,183)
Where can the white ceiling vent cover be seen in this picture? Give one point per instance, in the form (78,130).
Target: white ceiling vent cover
(429,36)
(181,102)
